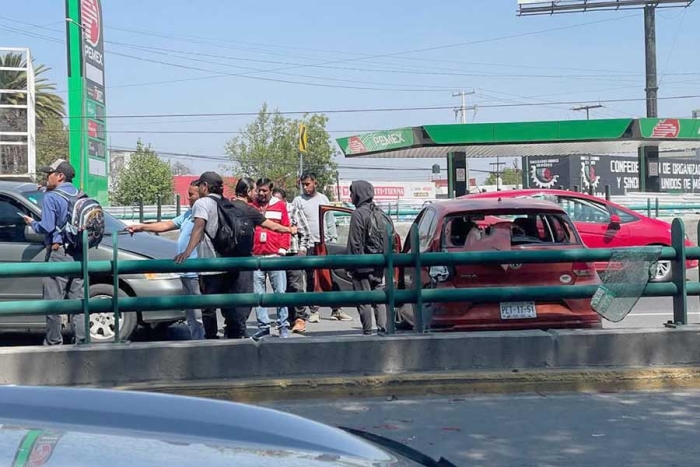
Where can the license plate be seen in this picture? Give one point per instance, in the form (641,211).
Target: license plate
(518,310)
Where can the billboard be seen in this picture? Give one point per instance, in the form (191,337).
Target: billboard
(394,191)
(621,173)
(86,99)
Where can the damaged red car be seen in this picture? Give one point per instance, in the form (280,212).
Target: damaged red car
(499,224)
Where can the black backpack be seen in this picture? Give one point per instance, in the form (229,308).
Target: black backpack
(377,230)
(236,232)
(84,214)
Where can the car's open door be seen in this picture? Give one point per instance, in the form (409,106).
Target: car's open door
(334,223)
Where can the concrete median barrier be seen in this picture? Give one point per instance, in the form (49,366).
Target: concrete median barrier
(306,363)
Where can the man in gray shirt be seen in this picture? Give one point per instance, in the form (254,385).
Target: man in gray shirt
(309,202)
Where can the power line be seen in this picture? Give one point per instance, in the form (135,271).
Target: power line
(387,109)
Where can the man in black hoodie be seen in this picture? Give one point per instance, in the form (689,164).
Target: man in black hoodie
(362,196)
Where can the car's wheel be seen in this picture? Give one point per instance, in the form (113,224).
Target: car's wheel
(102,325)
(661,271)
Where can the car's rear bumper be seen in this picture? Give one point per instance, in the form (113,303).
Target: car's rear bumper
(143,287)
(486,316)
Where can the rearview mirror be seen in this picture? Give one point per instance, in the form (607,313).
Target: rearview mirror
(31,236)
(439,273)
(615,220)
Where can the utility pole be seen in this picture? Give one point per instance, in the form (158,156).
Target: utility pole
(549,7)
(587,108)
(462,111)
(497,172)
(650,55)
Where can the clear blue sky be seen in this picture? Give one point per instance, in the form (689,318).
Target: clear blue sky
(585,63)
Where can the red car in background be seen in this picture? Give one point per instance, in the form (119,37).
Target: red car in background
(603,224)
(487,225)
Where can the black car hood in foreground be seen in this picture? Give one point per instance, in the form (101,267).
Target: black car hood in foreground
(62,427)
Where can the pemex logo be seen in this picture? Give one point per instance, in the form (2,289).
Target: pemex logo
(90,15)
(356,145)
(666,128)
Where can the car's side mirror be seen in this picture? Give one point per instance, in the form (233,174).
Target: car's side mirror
(31,236)
(615,221)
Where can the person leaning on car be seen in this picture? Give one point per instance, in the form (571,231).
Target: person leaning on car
(190,280)
(54,216)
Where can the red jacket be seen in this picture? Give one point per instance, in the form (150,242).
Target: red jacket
(268,242)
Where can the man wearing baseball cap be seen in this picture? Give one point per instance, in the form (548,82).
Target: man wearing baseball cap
(54,216)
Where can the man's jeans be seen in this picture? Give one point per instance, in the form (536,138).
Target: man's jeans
(278,280)
(370,283)
(61,288)
(190,286)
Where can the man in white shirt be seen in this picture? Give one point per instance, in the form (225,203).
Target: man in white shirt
(309,202)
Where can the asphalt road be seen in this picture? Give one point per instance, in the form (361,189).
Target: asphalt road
(605,429)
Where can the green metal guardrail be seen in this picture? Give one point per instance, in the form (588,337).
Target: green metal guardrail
(679,289)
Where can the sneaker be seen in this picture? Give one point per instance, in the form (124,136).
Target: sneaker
(260,334)
(299,326)
(284,332)
(315,317)
(339,315)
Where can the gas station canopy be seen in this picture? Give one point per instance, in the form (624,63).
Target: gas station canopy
(555,138)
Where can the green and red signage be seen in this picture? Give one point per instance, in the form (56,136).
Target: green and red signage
(86,99)
(669,128)
(377,141)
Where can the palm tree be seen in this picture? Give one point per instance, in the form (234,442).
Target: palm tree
(48,104)
(49,108)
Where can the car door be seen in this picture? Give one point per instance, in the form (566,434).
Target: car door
(334,226)
(427,223)
(16,248)
(593,221)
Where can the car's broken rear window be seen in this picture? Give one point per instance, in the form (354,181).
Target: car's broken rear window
(489,230)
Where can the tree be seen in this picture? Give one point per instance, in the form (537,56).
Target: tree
(509,176)
(48,104)
(268,148)
(180,168)
(51,142)
(146,178)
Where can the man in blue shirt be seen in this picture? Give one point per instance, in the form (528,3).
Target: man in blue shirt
(190,280)
(54,216)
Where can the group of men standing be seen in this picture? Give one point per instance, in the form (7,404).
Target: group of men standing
(282,228)
(277,228)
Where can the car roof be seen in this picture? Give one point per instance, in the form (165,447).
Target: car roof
(7,185)
(89,420)
(495,203)
(530,192)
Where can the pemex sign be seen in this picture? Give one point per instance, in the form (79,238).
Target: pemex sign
(377,141)
(86,99)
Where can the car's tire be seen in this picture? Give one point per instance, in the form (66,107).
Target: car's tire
(102,324)
(662,271)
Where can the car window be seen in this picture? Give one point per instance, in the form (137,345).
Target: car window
(112,224)
(426,229)
(12,226)
(497,230)
(580,210)
(624,216)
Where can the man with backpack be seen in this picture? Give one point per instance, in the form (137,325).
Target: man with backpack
(55,215)
(368,235)
(224,228)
